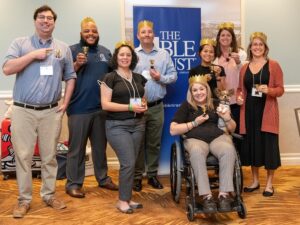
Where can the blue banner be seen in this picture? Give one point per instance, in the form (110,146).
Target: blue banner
(178,30)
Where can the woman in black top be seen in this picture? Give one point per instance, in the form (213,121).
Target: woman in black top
(197,120)
(122,94)
(216,73)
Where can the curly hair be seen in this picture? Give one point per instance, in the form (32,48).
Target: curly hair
(114,59)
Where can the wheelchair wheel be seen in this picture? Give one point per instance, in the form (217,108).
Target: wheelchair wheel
(238,178)
(175,173)
(242,212)
(190,191)
(190,212)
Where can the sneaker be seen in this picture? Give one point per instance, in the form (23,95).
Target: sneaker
(55,203)
(225,204)
(21,209)
(209,205)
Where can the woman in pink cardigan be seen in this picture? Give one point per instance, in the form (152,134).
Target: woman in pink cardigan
(260,83)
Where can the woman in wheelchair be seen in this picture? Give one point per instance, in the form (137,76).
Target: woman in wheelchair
(197,121)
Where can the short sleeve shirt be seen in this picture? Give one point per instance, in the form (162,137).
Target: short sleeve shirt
(122,91)
(206,131)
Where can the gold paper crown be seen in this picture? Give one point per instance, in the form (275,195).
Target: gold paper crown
(226,25)
(260,35)
(207,41)
(199,78)
(86,20)
(144,23)
(124,43)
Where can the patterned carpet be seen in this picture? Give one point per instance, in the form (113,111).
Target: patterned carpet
(99,205)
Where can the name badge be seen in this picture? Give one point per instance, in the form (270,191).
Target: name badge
(46,70)
(136,101)
(146,74)
(256,93)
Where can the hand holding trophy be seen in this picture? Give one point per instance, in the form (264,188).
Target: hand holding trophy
(151,63)
(85,50)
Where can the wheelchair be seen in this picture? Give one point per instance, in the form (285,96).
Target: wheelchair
(181,169)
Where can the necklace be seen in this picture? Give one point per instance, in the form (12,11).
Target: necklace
(127,76)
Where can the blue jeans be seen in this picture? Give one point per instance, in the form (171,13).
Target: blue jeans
(126,137)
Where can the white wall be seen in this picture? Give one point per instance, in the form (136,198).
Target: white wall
(17,20)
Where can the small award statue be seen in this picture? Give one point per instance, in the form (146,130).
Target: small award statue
(229,54)
(85,50)
(151,63)
(144,102)
(57,53)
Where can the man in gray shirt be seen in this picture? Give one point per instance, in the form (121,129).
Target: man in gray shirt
(40,63)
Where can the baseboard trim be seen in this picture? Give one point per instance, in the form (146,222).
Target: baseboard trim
(290,159)
(113,162)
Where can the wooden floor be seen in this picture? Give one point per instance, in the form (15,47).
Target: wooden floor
(99,205)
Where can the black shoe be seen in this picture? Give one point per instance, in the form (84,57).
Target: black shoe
(110,186)
(154,182)
(249,189)
(209,205)
(76,193)
(137,185)
(225,204)
(268,193)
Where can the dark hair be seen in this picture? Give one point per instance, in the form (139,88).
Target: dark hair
(44,8)
(233,44)
(201,48)
(114,59)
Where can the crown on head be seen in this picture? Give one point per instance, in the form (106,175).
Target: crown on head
(259,35)
(86,20)
(226,25)
(199,78)
(207,41)
(145,23)
(124,43)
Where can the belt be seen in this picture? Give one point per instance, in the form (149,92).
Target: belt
(150,104)
(36,107)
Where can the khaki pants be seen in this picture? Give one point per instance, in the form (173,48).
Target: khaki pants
(223,149)
(28,125)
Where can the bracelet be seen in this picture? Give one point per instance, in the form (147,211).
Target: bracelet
(187,126)
(130,108)
(195,123)
(226,121)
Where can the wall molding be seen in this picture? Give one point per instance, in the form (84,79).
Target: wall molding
(290,158)
(291,88)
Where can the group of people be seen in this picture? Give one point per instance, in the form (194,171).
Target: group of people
(257,81)
(117,98)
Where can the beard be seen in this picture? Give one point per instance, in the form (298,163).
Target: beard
(84,43)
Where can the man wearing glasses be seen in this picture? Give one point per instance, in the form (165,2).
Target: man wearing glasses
(40,63)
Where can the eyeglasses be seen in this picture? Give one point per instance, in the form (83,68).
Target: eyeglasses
(42,17)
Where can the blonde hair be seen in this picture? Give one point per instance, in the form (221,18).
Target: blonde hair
(209,99)
(87,20)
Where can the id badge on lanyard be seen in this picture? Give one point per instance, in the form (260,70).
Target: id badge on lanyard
(136,101)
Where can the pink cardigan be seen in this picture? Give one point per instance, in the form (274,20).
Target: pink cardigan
(270,120)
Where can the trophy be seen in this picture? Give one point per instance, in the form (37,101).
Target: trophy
(144,102)
(203,110)
(57,53)
(151,63)
(85,50)
(229,54)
